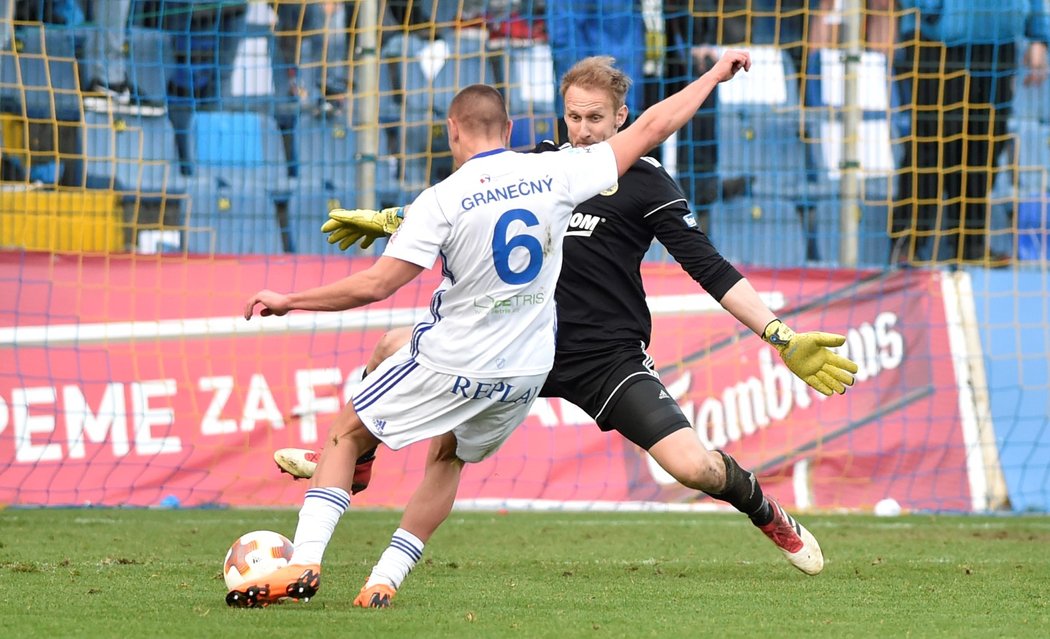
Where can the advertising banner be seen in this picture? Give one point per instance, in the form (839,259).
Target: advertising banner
(138,382)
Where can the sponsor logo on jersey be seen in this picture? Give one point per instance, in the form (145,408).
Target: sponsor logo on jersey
(378,425)
(611,190)
(488,304)
(485,179)
(497,391)
(690,220)
(583,224)
(663,395)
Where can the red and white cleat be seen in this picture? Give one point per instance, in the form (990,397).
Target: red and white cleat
(798,544)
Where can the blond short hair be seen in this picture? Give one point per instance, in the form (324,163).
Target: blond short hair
(598,72)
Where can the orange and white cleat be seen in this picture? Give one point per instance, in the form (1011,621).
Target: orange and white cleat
(798,544)
(300,582)
(301,463)
(377,596)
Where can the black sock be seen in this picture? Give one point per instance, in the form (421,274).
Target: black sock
(743,493)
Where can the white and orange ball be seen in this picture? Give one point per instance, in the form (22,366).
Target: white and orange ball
(255,554)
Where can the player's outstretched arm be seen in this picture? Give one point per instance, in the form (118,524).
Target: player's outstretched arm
(662,119)
(809,357)
(806,354)
(375,283)
(347,226)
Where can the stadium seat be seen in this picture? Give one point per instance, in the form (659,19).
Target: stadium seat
(527,131)
(423,79)
(760,132)
(38,76)
(327,150)
(149,62)
(246,147)
(39,84)
(527,73)
(232,221)
(873,242)
(825,94)
(1033,152)
(760,232)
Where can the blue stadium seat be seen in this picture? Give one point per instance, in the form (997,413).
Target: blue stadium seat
(327,151)
(761,232)
(527,73)
(139,151)
(38,82)
(873,242)
(149,62)
(226,220)
(1033,143)
(38,77)
(529,130)
(766,144)
(760,131)
(245,147)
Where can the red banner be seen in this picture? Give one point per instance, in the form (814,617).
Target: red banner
(128,381)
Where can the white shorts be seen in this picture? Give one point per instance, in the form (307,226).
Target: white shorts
(401,402)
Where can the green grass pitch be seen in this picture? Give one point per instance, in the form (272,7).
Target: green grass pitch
(157,573)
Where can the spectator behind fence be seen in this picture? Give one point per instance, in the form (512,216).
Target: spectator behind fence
(961,58)
(108,86)
(204,35)
(693,33)
(299,31)
(577,30)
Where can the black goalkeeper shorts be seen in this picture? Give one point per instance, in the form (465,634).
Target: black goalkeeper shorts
(620,390)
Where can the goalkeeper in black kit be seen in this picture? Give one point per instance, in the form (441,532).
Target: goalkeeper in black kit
(604,327)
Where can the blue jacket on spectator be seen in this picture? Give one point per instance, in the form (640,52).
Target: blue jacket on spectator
(956,22)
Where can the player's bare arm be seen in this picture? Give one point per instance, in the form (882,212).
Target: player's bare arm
(743,302)
(375,283)
(662,119)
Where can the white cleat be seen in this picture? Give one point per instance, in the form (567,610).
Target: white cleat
(798,544)
(300,463)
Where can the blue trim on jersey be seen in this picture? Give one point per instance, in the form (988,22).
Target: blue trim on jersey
(423,327)
(444,268)
(485,153)
(385,382)
(326,495)
(392,381)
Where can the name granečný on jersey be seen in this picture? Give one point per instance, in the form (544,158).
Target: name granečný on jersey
(509,192)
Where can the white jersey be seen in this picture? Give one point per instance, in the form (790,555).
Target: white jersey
(497,223)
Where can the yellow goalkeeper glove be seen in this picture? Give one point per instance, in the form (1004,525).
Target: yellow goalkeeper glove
(808,356)
(347,226)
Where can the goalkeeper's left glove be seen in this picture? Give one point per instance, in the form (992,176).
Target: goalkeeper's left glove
(808,356)
(347,226)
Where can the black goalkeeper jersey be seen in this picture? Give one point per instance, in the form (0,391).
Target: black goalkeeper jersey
(600,295)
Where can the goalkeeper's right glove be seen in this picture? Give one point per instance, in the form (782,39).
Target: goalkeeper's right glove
(808,356)
(347,226)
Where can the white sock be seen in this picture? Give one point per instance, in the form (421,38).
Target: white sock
(397,560)
(322,508)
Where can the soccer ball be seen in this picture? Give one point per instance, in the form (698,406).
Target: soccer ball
(255,554)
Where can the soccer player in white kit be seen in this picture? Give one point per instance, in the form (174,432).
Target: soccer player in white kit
(476,364)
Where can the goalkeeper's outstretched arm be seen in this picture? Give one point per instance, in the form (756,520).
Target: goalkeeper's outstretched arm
(807,355)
